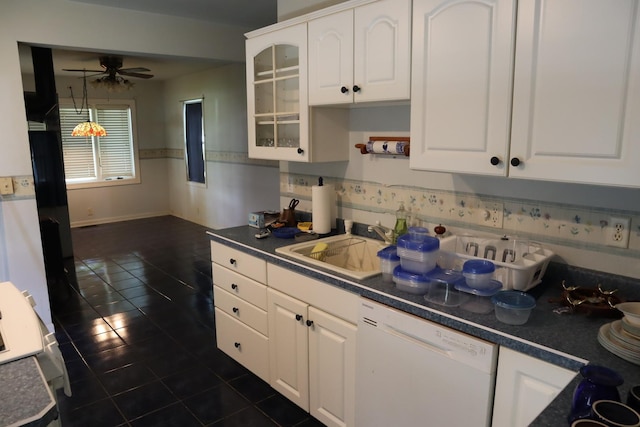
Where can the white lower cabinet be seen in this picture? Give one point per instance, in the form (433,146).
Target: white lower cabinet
(524,387)
(311,350)
(241,307)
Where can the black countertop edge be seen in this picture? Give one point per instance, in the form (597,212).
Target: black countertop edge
(566,340)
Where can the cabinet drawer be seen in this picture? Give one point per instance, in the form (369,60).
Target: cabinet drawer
(241,310)
(245,345)
(239,261)
(240,286)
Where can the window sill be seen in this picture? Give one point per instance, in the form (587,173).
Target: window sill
(97,184)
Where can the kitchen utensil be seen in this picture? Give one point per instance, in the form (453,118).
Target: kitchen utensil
(293,204)
(288,217)
(285,232)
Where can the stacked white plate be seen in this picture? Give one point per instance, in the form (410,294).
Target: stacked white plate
(622,339)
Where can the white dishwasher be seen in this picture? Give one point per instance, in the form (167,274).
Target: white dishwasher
(413,372)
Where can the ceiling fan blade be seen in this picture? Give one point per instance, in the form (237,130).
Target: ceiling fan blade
(86,71)
(141,76)
(134,70)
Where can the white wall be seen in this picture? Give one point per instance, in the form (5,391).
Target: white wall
(73,25)
(234,186)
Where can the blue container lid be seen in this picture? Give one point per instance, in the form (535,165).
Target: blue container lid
(513,300)
(390,253)
(407,276)
(478,266)
(429,244)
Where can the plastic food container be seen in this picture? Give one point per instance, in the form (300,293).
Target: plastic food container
(478,273)
(418,256)
(513,307)
(442,290)
(389,260)
(413,283)
(418,234)
(479,300)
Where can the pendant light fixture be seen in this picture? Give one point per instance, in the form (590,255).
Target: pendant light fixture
(87,128)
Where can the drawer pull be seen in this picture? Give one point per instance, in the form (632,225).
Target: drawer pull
(236,345)
(232,261)
(234,286)
(298,317)
(235,309)
(309,323)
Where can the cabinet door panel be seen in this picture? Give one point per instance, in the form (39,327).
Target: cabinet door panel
(382,51)
(332,369)
(461,85)
(331,59)
(577,91)
(288,348)
(524,387)
(276,93)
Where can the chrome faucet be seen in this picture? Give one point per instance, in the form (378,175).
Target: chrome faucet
(382,231)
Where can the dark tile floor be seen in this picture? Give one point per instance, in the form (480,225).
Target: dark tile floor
(138,335)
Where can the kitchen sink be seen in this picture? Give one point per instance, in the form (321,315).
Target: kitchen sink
(353,256)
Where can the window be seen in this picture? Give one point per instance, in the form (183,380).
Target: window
(194,141)
(100,161)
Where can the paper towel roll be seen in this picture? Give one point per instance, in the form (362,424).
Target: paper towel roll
(322,202)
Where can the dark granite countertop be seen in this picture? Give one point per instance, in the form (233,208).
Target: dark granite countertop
(28,401)
(566,340)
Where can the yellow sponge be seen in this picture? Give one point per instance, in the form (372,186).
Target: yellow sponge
(318,251)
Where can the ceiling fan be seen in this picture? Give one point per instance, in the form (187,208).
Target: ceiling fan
(112,67)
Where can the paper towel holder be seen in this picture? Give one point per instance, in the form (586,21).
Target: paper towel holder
(387,145)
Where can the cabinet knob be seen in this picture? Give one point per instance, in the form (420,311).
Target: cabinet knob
(236,345)
(309,323)
(298,317)
(232,261)
(356,88)
(515,161)
(235,309)
(300,151)
(495,161)
(344,89)
(234,286)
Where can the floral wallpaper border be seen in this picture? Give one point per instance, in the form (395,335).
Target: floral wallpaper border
(569,225)
(211,156)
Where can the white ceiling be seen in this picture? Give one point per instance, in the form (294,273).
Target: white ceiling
(245,13)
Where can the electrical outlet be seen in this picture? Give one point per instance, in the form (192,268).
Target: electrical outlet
(491,215)
(6,185)
(617,233)
(89,211)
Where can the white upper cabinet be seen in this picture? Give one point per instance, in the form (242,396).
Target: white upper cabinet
(572,115)
(576,100)
(461,84)
(277,107)
(361,54)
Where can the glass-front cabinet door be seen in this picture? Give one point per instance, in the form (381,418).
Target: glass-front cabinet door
(277,95)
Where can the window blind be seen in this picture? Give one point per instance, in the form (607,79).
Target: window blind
(116,155)
(79,160)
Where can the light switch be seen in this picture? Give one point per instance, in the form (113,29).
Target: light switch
(6,185)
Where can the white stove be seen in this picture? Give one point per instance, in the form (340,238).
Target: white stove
(20,332)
